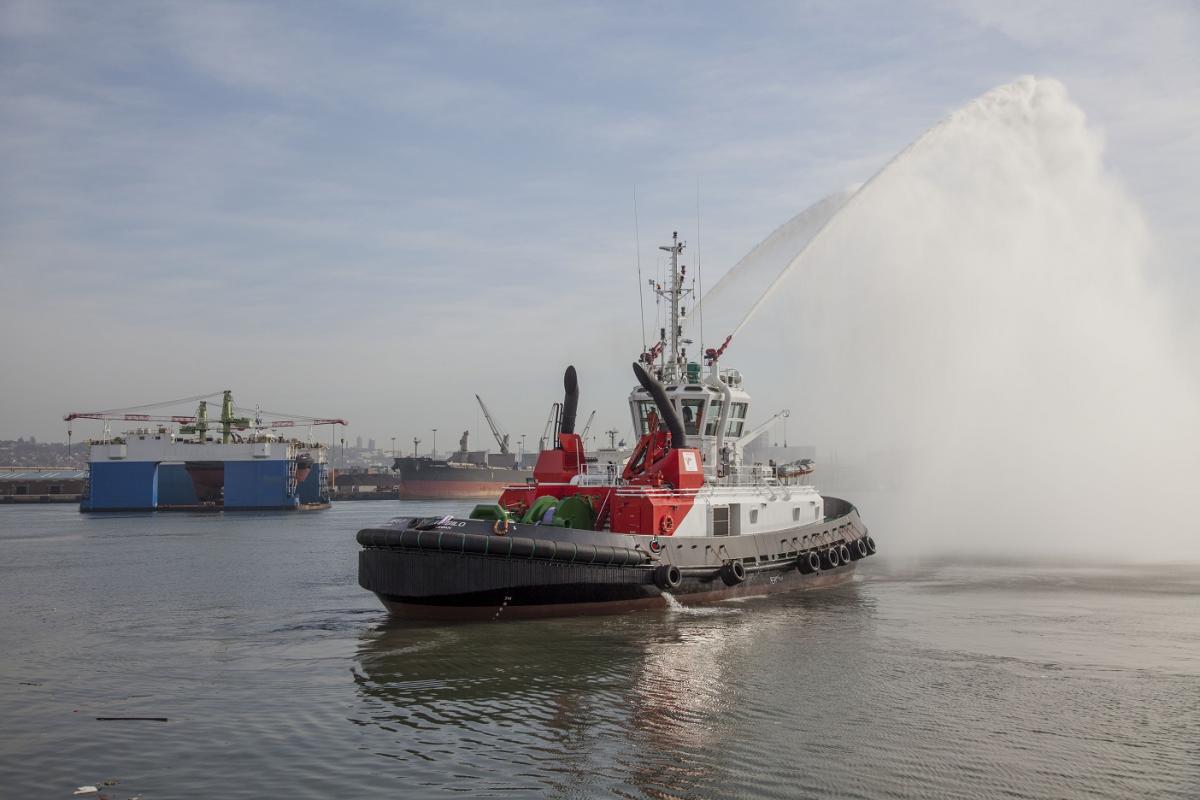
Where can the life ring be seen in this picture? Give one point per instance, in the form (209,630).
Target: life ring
(667,524)
(500,527)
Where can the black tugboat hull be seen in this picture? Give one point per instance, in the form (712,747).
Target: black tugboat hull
(462,569)
(613,597)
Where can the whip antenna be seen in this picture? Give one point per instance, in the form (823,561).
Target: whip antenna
(699,280)
(637,238)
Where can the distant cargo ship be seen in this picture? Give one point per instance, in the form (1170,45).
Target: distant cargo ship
(466,474)
(428,478)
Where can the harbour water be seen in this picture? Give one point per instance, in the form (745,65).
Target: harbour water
(278,676)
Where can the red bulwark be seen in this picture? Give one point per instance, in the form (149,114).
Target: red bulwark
(680,473)
(660,485)
(563,462)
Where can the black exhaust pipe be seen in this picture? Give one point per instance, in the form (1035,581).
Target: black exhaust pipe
(570,401)
(665,410)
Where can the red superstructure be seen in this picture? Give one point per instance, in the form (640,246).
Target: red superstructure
(658,484)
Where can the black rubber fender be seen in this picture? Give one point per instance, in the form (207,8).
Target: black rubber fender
(830,558)
(667,577)
(733,573)
(870,544)
(808,563)
(858,549)
(843,554)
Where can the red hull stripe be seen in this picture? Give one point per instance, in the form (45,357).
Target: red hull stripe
(438,490)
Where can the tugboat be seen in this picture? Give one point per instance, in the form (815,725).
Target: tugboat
(682,517)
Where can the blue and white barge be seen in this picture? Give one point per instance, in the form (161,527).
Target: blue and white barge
(234,464)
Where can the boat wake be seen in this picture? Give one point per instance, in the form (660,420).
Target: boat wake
(677,607)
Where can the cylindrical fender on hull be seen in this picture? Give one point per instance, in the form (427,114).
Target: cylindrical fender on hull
(733,573)
(808,563)
(489,546)
(667,577)
(830,558)
(843,554)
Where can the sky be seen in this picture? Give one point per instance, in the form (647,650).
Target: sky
(375,210)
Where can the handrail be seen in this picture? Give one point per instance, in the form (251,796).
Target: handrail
(608,473)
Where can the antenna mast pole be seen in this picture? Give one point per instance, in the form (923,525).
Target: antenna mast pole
(699,296)
(637,239)
(674,291)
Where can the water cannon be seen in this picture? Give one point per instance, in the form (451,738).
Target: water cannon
(653,353)
(712,355)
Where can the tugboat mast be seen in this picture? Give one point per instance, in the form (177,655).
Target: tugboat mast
(674,366)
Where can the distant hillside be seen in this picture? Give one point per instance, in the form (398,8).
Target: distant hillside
(32,453)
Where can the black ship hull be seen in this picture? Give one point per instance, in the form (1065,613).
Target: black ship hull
(434,479)
(465,569)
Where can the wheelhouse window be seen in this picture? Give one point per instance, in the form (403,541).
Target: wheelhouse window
(693,413)
(737,419)
(644,407)
(713,418)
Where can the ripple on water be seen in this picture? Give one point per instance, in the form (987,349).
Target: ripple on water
(278,681)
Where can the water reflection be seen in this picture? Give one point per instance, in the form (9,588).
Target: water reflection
(659,703)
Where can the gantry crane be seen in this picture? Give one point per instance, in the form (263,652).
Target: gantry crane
(198,423)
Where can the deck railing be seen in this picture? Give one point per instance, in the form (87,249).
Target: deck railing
(609,474)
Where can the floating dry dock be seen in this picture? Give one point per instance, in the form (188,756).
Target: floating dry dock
(241,465)
(149,469)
